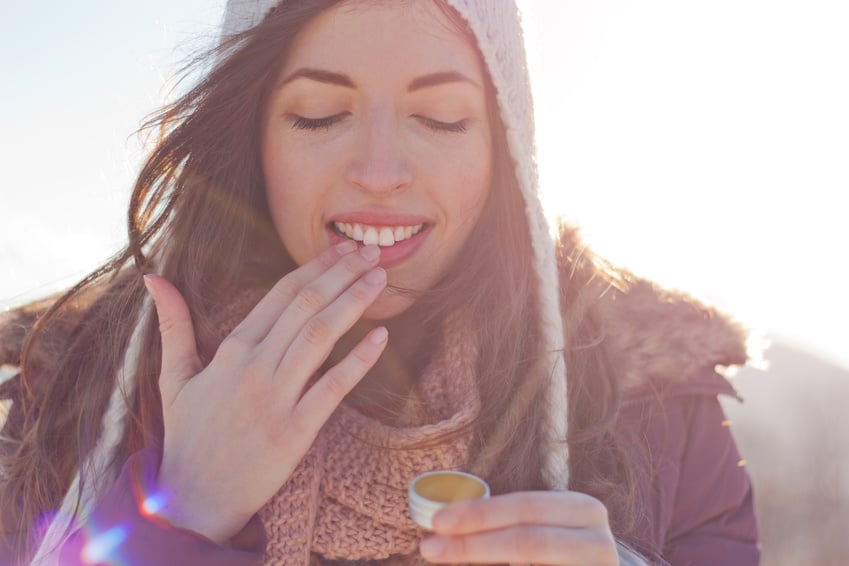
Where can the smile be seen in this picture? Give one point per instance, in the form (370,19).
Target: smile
(383,236)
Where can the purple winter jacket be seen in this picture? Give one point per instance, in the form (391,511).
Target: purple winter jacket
(695,509)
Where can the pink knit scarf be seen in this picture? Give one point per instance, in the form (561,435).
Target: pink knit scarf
(348,497)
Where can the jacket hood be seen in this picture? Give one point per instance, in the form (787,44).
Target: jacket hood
(655,337)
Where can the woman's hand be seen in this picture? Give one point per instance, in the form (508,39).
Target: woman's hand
(236,429)
(541,527)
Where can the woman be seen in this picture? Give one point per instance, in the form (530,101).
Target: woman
(353,283)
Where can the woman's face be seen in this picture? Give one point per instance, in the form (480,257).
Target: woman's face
(377,131)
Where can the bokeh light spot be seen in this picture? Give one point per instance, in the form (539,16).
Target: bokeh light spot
(152,504)
(100,547)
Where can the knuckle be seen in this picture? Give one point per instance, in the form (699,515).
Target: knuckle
(252,368)
(458,548)
(257,400)
(353,264)
(234,348)
(361,359)
(528,542)
(329,258)
(336,385)
(165,326)
(278,430)
(299,426)
(286,289)
(309,300)
(361,293)
(316,332)
(529,508)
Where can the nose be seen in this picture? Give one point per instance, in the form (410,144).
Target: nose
(380,164)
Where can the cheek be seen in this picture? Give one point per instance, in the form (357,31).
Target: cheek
(299,174)
(472,183)
(290,206)
(279,179)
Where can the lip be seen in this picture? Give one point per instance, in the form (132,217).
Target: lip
(390,256)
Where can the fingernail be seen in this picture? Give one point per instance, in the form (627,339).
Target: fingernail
(431,548)
(378,335)
(345,247)
(370,252)
(375,277)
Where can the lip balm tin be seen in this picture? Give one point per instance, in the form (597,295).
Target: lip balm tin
(431,491)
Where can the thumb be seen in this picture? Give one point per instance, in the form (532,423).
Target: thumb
(180,360)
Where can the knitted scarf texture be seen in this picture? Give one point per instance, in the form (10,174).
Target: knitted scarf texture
(347,499)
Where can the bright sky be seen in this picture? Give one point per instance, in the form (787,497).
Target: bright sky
(703,144)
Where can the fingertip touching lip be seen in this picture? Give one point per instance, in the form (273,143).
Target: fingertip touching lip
(397,244)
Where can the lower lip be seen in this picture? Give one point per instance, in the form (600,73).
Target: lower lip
(390,256)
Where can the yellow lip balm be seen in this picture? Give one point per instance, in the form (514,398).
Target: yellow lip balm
(431,491)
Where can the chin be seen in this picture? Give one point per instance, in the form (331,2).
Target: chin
(388,305)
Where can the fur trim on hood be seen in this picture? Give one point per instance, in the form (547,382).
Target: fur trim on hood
(653,336)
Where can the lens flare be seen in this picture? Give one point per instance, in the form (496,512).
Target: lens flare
(100,548)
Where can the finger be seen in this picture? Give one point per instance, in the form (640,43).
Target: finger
(524,544)
(314,297)
(320,400)
(317,336)
(267,311)
(557,508)
(180,360)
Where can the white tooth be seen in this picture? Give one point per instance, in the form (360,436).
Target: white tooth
(408,232)
(342,227)
(386,237)
(370,237)
(357,233)
(399,233)
(417,229)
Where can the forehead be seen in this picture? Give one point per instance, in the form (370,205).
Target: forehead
(384,39)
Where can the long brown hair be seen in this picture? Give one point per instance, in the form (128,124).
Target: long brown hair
(199,206)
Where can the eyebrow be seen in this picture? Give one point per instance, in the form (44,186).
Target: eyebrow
(435,79)
(318,75)
(339,79)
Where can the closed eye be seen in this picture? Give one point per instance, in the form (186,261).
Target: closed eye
(302,123)
(457,127)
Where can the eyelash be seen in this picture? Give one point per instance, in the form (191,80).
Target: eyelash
(457,127)
(301,123)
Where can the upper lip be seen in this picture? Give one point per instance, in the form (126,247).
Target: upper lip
(380,218)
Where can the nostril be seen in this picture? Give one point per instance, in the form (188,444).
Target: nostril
(381,175)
